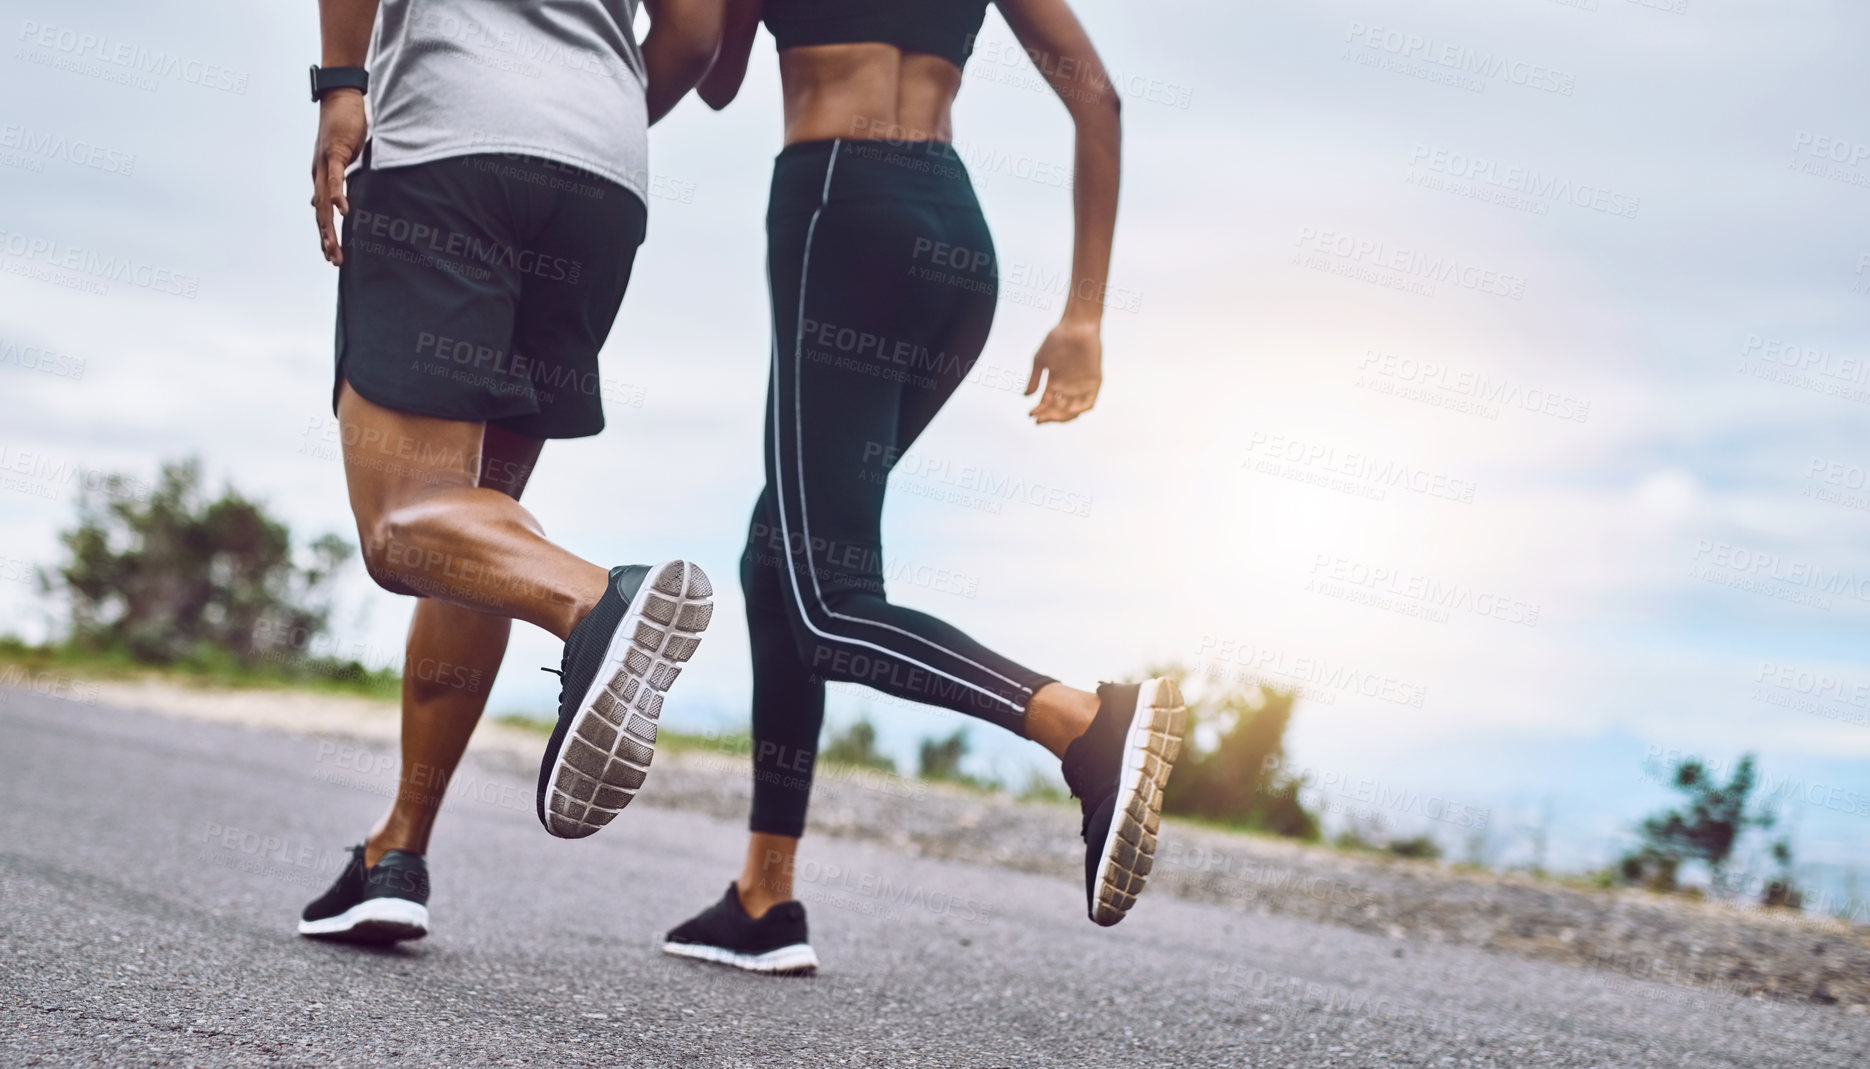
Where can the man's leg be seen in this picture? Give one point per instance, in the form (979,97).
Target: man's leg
(429,529)
(449,667)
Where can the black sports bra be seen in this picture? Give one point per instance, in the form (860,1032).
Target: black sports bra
(944,28)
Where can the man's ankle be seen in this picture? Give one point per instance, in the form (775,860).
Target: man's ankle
(380,843)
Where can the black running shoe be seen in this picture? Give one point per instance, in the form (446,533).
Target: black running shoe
(1117,770)
(385,903)
(618,662)
(775,943)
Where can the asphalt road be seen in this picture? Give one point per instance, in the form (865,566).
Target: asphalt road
(151,871)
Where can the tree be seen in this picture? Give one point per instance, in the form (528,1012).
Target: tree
(170,575)
(941,758)
(1705,829)
(1242,778)
(858,746)
(1781,892)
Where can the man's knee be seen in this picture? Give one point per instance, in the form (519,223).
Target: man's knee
(389,551)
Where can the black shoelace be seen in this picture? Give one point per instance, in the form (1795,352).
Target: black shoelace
(561,683)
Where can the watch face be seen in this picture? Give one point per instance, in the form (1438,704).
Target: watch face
(314,73)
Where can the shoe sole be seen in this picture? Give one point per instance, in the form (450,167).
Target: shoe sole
(1149,753)
(796,960)
(374,920)
(602,758)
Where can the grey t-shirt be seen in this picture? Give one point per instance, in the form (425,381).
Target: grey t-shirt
(558,79)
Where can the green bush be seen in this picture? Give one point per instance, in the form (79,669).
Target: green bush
(1241,779)
(170,577)
(857,745)
(1711,820)
(1416,846)
(941,758)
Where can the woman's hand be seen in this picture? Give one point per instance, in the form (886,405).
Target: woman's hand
(1072,360)
(341,131)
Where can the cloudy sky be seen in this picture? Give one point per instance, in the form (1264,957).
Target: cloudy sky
(1495,372)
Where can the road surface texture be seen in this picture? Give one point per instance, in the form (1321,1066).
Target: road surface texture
(152,869)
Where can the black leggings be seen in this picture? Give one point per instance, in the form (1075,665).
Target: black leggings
(883,290)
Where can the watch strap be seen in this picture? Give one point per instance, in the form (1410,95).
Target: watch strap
(325,79)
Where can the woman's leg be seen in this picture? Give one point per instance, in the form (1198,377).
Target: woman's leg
(450,662)
(788,713)
(851,326)
(1057,714)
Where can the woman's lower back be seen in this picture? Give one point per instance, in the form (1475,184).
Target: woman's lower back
(867,91)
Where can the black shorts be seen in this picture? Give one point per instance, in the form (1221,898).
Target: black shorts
(481,288)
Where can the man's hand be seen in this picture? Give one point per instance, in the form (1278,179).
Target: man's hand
(1072,359)
(341,129)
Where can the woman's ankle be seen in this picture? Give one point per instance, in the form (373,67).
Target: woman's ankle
(760,897)
(1058,714)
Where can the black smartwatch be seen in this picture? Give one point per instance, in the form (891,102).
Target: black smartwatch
(325,79)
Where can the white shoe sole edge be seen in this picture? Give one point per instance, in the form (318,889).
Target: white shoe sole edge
(797,958)
(1149,752)
(385,920)
(614,733)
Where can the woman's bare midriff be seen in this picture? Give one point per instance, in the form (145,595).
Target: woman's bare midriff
(867,91)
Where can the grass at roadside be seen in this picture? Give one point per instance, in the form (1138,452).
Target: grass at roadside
(737,743)
(291,671)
